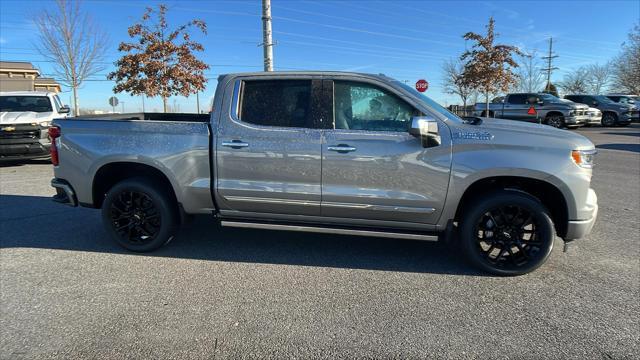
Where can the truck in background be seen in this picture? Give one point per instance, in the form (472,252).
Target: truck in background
(25,117)
(613,113)
(535,108)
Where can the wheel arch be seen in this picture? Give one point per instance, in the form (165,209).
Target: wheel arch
(554,112)
(547,193)
(114,172)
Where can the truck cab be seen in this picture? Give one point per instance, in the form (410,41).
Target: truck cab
(25,117)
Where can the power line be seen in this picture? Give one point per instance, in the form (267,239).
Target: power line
(549,68)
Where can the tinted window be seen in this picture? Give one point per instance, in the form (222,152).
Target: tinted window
(25,103)
(283,103)
(360,106)
(517,99)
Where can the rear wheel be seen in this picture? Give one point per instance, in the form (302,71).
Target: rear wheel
(609,119)
(507,233)
(139,214)
(557,121)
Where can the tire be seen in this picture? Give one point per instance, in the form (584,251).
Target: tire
(507,233)
(140,215)
(609,119)
(557,121)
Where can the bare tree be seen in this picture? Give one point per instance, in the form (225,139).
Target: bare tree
(454,83)
(70,39)
(489,67)
(598,78)
(575,82)
(160,61)
(530,77)
(626,66)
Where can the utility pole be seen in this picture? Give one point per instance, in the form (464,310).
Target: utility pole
(142,103)
(267,41)
(197,103)
(549,68)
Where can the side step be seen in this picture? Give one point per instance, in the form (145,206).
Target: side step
(330,230)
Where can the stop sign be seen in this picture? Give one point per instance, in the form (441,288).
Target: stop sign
(422,85)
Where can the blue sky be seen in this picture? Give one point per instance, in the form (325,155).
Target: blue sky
(407,40)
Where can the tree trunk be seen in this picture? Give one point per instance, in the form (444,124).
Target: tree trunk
(164,104)
(487,100)
(76,108)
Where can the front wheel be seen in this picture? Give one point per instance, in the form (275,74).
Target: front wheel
(139,214)
(609,119)
(507,233)
(557,121)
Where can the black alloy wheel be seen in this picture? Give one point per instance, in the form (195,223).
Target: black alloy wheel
(608,119)
(509,233)
(557,121)
(139,214)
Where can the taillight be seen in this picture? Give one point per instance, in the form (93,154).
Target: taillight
(54,133)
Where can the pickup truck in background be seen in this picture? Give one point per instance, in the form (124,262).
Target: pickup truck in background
(336,153)
(626,99)
(549,110)
(25,117)
(613,113)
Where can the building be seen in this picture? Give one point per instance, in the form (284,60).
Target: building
(22,76)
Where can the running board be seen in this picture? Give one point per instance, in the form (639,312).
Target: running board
(329,230)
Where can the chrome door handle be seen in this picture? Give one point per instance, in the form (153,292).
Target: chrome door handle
(341,148)
(235,144)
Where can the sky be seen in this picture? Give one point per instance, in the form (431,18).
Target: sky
(407,40)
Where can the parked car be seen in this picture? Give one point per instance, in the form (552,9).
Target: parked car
(548,109)
(595,117)
(613,113)
(337,153)
(625,99)
(25,117)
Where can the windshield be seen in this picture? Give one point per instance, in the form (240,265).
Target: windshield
(25,103)
(432,104)
(548,97)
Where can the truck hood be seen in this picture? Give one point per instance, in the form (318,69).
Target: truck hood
(511,132)
(25,117)
(570,104)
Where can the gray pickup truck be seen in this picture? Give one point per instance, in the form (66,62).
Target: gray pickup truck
(536,108)
(613,113)
(337,153)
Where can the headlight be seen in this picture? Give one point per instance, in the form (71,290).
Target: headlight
(45,123)
(584,158)
(572,112)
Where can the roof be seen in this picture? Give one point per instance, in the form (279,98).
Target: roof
(46,80)
(306,72)
(26,93)
(16,65)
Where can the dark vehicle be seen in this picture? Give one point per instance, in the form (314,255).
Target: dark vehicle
(547,109)
(613,113)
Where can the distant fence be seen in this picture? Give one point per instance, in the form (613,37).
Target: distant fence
(461,110)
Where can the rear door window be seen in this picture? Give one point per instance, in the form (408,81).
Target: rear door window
(278,103)
(517,99)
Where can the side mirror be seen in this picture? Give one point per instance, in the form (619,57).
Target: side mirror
(64,110)
(426,128)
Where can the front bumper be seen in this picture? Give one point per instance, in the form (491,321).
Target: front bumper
(634,116)
(595,120)
(577,229)
(576,120)
(23,141)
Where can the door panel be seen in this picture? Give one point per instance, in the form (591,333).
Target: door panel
(269,169)
(380,174)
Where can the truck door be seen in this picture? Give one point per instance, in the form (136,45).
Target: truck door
(372,168)
(268,148)
(515,107)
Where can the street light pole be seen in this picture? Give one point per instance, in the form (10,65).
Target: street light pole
(267,42)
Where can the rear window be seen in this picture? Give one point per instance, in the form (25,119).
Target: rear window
(25,103)
(281,103)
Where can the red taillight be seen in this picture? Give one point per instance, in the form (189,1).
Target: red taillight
(54,133)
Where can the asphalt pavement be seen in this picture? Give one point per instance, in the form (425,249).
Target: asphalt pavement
(68,291)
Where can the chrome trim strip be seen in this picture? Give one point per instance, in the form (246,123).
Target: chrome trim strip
(272,201)
(379,207)
(234,144)
(322,230)
(341,148)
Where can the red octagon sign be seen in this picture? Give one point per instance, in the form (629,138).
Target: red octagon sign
(422,85)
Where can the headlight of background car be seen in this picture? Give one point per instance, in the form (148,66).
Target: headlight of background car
(45,123)
(584,158)
(572,112)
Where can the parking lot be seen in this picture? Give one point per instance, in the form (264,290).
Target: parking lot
(67,290)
